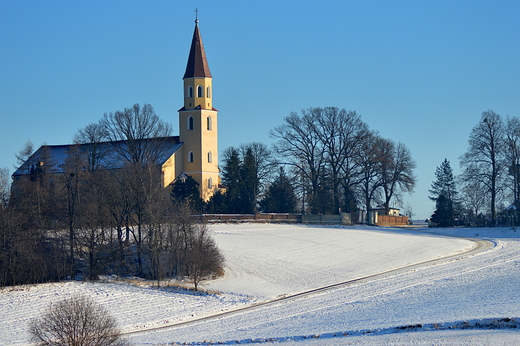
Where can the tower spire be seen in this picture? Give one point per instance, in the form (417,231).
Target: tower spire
(198,121)
(197,66)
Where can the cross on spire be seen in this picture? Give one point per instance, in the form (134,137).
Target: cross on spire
(196,15)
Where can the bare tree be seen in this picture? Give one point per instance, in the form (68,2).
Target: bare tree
(340,131)
(142,132)
(27,253)
(180,236)
(95,243)
(474,197)
(368,165)
(300,146)
(483,162)
(5,187)
(204,259)
(25,153)
(140,139)
(77,321)
(512,158)
(181,246)
(397,167)
(408,211)
(41,188)
(157,230)
(322,145)
(92,136)
(140,186)
(72,179)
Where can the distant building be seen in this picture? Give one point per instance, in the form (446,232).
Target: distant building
(380,210)
(194,152)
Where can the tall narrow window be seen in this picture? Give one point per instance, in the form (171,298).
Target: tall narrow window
(199,91)
(210,183)
(190,123)
(210,156)
(209,123)
(190,91)
(190,157)
(208,94)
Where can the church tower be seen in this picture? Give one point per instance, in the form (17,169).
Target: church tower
(198,121)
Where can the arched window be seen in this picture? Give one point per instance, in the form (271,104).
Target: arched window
(208,94)
(199,91)
(190,91)
(210,156)
(190,156)
(190,123)
(210,183)
(210,125)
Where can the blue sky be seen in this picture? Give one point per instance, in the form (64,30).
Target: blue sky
(419,72)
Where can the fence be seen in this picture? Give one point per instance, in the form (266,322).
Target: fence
(386,220)
(267,218)
(344,219)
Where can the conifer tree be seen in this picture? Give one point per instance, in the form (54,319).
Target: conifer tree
(249,183)
(444,194)
(279,197)
(217,203)
(443,214)
(187,190)
(231,179)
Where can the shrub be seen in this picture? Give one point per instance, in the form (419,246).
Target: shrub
(77,321)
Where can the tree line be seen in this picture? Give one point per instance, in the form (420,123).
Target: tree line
(324,160)
(104,211)
(487,192)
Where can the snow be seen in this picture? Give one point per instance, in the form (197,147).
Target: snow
(473,300)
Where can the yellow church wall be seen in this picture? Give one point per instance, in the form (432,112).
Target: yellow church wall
(200,141)
(210,143)
(179,162)
(207,191)
(168,171)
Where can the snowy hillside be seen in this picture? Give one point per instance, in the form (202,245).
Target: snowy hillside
(434,304)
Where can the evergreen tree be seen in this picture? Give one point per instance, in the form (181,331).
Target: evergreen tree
(249,183)
(443,215)
(444,194)
(280,196)
(349,200)
(244,173)
(187,190)
(217,203)
(231,180)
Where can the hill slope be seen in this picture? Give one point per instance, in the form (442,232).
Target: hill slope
(267,261)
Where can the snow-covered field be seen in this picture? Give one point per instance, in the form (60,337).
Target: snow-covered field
(436,304)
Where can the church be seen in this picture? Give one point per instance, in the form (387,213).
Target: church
(193,153)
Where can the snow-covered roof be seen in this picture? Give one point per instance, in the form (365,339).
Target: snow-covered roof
(381,207)
(111,154)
